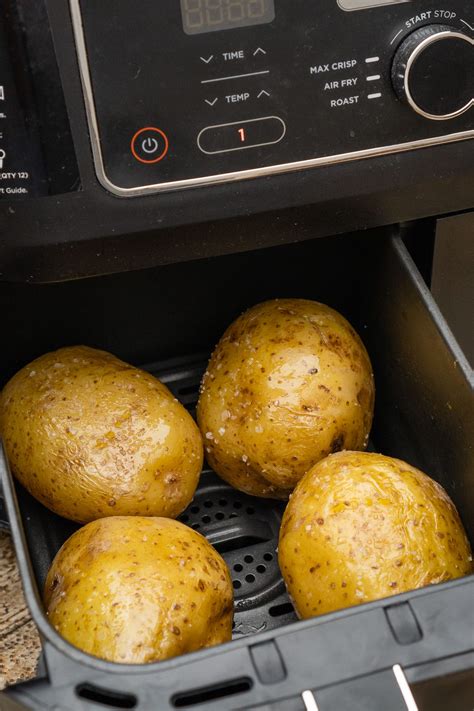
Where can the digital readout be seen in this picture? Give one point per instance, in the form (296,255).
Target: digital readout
(201,16)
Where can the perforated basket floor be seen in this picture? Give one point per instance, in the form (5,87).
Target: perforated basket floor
(244,529)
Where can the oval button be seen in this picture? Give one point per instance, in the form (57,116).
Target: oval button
(238,136)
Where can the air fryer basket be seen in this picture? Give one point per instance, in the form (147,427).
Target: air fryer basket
(424,413)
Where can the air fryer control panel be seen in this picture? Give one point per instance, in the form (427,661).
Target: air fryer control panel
(187,92)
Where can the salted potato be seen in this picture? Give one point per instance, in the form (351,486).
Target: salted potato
(137,590)
(363,526)
(288,383)
(91,436)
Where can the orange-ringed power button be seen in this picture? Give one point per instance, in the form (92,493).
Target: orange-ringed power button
(149,145)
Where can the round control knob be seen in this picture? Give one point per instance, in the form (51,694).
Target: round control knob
(433,72)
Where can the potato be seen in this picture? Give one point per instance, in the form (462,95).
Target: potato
(363,526)
(289,382)
(90,436)
(138,590)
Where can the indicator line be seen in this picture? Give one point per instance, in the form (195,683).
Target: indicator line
(370,60)
(404,688)
(309,701)
(467,25)
(397,35)
(374,96)
(236,76)
(374,77)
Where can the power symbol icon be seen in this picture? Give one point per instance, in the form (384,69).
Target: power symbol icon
(149,145)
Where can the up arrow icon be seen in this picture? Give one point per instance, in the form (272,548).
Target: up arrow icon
(263,93)
(259,50)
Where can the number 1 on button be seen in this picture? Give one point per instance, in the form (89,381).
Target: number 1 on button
(242,134)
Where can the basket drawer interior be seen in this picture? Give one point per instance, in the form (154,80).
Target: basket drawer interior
(169,319)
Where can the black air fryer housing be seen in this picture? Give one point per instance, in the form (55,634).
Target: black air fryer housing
(157,278)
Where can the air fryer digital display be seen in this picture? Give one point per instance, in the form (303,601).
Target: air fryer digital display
(201,16)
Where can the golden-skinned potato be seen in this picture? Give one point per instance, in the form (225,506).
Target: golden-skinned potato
(137,590)
(288,383)
(362,526)
(91,436)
